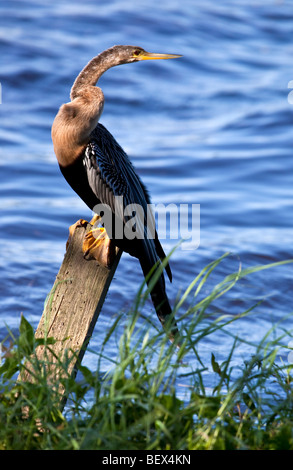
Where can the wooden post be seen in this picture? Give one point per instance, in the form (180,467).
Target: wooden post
(72,307)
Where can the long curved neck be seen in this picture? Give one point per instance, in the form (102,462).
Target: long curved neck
(91,73)
(76,120)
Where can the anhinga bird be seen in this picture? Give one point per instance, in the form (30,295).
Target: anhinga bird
(99,171)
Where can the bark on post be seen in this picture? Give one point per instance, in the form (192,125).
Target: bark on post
(72,307)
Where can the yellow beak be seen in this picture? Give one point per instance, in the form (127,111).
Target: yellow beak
(153,56)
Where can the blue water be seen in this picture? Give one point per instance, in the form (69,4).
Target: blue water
(212,128)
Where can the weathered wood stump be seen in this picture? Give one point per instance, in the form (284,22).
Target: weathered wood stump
(72,308)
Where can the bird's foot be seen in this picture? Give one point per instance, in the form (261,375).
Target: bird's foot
(97,245)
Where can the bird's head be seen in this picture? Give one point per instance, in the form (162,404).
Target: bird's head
(116,55)
(129,54)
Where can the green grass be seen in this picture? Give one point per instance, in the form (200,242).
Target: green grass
(136,404)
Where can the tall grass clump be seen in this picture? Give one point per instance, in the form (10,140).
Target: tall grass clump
(138,403)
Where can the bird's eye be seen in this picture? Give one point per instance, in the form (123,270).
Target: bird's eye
(136,53)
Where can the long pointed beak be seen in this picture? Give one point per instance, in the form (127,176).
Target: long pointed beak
(153,56)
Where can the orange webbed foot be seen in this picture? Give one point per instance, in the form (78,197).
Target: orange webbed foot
(97,245)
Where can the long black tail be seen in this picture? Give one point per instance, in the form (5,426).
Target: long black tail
(160,299)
